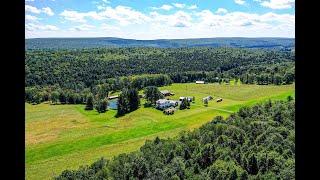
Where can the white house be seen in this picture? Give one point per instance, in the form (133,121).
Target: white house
(164,103)
(199,82)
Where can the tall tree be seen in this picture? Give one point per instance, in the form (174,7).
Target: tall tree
(55,97)
(134,99)
(89,102)
(101,105)
(152,94)
(123,102)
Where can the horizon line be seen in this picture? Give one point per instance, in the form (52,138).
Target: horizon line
(159,39)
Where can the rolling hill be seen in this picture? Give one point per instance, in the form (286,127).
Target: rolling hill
(78,43)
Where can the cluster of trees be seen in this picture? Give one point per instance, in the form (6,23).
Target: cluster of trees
(37,94)
(56,94)
(257,142)
(85,68)
(128,101)
(152,94)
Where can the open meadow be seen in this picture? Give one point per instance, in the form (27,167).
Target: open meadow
(60,137)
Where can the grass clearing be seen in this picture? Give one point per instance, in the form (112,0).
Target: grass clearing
(66,136)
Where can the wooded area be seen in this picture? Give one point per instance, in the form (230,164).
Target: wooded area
(256,143)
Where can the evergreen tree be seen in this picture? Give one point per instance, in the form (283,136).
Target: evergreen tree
(184,104)
(123,103)
(152,94)
(205,102)
(101,105)
(55,97)
(134,99)
(89,102)
(62,97)
(253,165)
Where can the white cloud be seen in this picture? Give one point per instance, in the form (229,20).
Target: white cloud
(29,0)
(179,5)
(123,15)
(108,27)
(278,4)
(78,16)
(47,11)
(31,18)
(33,27)
(32,9)
(178,19)
(193,6)
(82,27)
(73,16)
(121,21)
(164,7)
(241,2)
(221,11)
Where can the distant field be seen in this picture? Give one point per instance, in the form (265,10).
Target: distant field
(60,137)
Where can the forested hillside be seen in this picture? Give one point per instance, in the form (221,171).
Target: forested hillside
(256,143)
(285,44)
(88,67)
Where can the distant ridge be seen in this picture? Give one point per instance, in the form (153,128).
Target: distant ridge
(237,42)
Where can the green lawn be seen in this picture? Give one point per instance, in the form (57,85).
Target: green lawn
(66,136)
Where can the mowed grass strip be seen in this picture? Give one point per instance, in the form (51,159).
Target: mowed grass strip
(66,136)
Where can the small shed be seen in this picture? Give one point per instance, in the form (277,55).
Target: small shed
(207,98)
(166,93)
(199,82)
(113,97)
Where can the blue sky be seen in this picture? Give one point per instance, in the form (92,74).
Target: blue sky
(151,19)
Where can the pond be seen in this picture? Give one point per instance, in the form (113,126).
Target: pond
(113,104)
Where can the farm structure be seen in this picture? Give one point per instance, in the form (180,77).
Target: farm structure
(169,111)
(189,99)
(166,93)
(165,103)
(200,82)
(113,97)
(208,98)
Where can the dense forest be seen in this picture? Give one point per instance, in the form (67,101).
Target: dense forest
(87,67)
(74,73)
(257,142)
(285,44)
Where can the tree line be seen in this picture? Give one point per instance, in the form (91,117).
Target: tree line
(257,142)
(57,94)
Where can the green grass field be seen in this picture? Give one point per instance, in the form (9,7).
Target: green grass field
(60,137)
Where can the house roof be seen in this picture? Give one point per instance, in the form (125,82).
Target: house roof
(162,101)
(165,91)
(113,97)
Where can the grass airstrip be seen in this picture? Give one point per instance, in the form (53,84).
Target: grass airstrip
(60,137)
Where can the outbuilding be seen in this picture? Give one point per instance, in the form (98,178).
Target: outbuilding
(166,93)
(200,82)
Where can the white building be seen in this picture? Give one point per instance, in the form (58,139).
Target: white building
(164,103)
(199,82)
